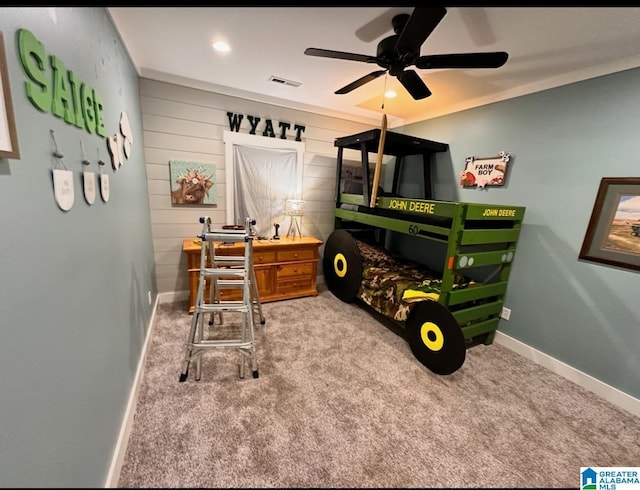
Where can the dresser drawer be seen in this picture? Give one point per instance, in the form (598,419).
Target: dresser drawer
(291,255)
(259,256)
(292,270)
(294,284)
(231,294)
(266,257)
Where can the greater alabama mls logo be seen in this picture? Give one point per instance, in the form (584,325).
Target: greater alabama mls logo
(609,478)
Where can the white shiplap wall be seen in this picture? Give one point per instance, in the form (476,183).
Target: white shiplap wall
(184,123)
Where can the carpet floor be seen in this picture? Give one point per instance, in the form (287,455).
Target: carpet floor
(340,401)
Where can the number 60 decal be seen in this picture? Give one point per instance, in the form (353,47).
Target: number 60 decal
(414,230)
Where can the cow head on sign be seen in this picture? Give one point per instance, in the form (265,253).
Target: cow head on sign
(193,188)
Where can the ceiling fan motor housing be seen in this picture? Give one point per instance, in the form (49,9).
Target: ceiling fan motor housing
(388,57)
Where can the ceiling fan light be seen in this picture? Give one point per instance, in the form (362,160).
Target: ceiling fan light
(390,94)
(221,47)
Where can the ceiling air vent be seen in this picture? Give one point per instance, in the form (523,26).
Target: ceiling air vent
(283,81)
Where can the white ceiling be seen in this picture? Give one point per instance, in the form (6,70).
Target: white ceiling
(547,46)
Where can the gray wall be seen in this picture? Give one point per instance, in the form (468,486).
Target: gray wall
(562,142)
(183,123)
(74,307)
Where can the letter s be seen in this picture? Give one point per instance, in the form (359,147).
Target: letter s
(32,56)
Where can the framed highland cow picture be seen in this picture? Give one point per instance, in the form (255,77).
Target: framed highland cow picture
(613,233)
(192,183)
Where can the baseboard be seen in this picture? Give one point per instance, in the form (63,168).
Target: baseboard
(609,393)
(125,430)
(173,296)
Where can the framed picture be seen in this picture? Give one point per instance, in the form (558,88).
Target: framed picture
(613,234)
(8,135)
(192,183)
(481,172)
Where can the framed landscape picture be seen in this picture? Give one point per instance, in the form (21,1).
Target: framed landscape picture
(613,233)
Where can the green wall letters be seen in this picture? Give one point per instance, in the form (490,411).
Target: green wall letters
(54,88)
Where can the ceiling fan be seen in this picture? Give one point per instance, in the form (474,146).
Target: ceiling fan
(396,53)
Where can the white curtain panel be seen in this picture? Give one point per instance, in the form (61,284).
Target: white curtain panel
(264,179)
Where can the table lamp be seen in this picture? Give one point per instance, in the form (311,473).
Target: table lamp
(295,209)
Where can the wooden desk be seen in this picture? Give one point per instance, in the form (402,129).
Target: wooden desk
(285,268)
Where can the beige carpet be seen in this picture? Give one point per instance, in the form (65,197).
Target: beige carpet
(341,402)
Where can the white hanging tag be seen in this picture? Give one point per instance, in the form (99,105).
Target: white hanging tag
(89,180)
(104,187)
(63,188)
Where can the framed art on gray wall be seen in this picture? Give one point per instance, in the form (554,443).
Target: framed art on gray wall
(8,135)
(613,233)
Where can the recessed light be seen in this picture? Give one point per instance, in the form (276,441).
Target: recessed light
(221,47)
(390,94)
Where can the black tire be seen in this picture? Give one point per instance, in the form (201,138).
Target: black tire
(435,337)
(342,265)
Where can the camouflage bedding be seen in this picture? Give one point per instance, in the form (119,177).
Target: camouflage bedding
(390,284)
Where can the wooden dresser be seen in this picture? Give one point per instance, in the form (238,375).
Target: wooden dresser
(285,268)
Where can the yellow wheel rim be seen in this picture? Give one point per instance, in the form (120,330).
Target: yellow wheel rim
(437,342)
(340,271)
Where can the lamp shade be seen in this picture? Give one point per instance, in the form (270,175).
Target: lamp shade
(294,207)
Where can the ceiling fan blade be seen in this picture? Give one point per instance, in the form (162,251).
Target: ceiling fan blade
(478,26)
(421,23)
(379,26)
(339,55)
(360,82)
(414,84)
(462,60)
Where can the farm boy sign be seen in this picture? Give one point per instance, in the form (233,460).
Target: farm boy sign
(481,172)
